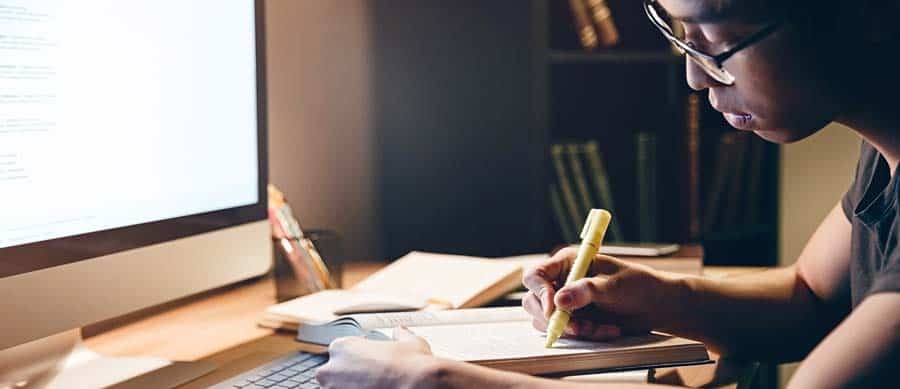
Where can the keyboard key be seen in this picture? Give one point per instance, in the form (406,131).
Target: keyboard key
(254,386)
(265,382)
(278,377)
(241,383)
(310,385)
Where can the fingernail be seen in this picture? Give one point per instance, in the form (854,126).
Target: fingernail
(565,298)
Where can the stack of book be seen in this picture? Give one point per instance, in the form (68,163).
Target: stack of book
(594,23)
(733,199)
(582,183)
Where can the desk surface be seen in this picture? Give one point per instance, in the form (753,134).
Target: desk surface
(221,326)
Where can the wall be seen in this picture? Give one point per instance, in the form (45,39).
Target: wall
(815,173)
(320,121)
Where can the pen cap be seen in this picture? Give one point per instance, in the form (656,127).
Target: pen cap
(595,226)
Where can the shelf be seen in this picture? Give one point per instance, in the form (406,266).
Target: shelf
(606,57)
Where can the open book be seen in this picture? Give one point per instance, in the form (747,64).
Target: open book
(414,282)
(503,338)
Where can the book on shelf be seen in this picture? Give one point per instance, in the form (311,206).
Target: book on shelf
(607,32)
(464,282)
(573,154)
(734,202)
(503,338)
(600,180)
(718,186)
(577,214)
(754,181)
(559,214)
(646,186)
(693,165)
(587,34)
(572,194)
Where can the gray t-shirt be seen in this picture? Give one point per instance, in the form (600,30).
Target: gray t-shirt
(871,205)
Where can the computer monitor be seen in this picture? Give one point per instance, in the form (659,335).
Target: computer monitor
(132,157)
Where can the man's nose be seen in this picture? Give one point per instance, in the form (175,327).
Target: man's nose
(697,78)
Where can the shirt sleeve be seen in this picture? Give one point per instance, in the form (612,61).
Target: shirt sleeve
(868,158)
(888,279)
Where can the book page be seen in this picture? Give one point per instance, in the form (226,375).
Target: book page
(450,280)
(516,340)
(388,321)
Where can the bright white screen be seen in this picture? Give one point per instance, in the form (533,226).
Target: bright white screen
(115,113)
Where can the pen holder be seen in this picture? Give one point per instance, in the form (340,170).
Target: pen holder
(295,269)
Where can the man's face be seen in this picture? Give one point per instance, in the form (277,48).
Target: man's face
(781,91)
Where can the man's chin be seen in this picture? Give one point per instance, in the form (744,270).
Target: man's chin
(784,136)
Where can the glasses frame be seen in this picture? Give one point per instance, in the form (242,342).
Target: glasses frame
(718,59)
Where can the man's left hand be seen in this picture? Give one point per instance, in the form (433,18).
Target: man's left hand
(361,363)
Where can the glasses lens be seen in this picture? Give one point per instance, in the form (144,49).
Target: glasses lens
(673,30)
(711,68)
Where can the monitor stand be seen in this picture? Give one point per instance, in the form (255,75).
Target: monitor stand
(62,361)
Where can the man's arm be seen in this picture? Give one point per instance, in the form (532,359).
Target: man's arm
(779,314)
(451,374)
(864,348)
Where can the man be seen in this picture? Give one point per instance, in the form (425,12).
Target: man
(782,69)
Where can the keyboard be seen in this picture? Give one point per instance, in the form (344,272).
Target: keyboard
(295,371)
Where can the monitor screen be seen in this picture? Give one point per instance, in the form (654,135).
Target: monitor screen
(126,123)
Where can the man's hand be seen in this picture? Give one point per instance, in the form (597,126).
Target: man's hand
(614,299)
(361,363)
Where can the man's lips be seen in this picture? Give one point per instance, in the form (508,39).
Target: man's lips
(741,121)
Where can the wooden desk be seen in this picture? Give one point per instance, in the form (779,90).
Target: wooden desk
(220,327)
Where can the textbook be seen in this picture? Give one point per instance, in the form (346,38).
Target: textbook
(503,338)
(416,281)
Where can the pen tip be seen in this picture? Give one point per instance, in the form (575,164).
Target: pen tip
(550,341)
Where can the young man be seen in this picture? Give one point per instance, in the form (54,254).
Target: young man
(782,69)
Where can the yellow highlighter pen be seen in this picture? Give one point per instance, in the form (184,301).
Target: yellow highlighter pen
(591,238)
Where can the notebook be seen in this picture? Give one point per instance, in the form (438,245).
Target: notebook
(503,338)
(416,281)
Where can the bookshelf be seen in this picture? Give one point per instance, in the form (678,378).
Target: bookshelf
(618,95)
(470,96)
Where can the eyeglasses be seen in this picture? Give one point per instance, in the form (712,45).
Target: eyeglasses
(711,64)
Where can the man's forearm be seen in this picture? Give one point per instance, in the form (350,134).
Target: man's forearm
(444,374)
(770,315)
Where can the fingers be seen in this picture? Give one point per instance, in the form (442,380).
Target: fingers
(404,335)
(556,269)
(340,345)
(592,330)
(549,271)
(581,293)
(606,265)
(533,306)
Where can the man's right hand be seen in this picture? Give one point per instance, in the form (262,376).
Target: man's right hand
(615,297)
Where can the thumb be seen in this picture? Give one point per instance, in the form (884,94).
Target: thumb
(403,334)
(579,293)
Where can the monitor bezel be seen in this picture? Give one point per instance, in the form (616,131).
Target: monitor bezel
(46,254)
